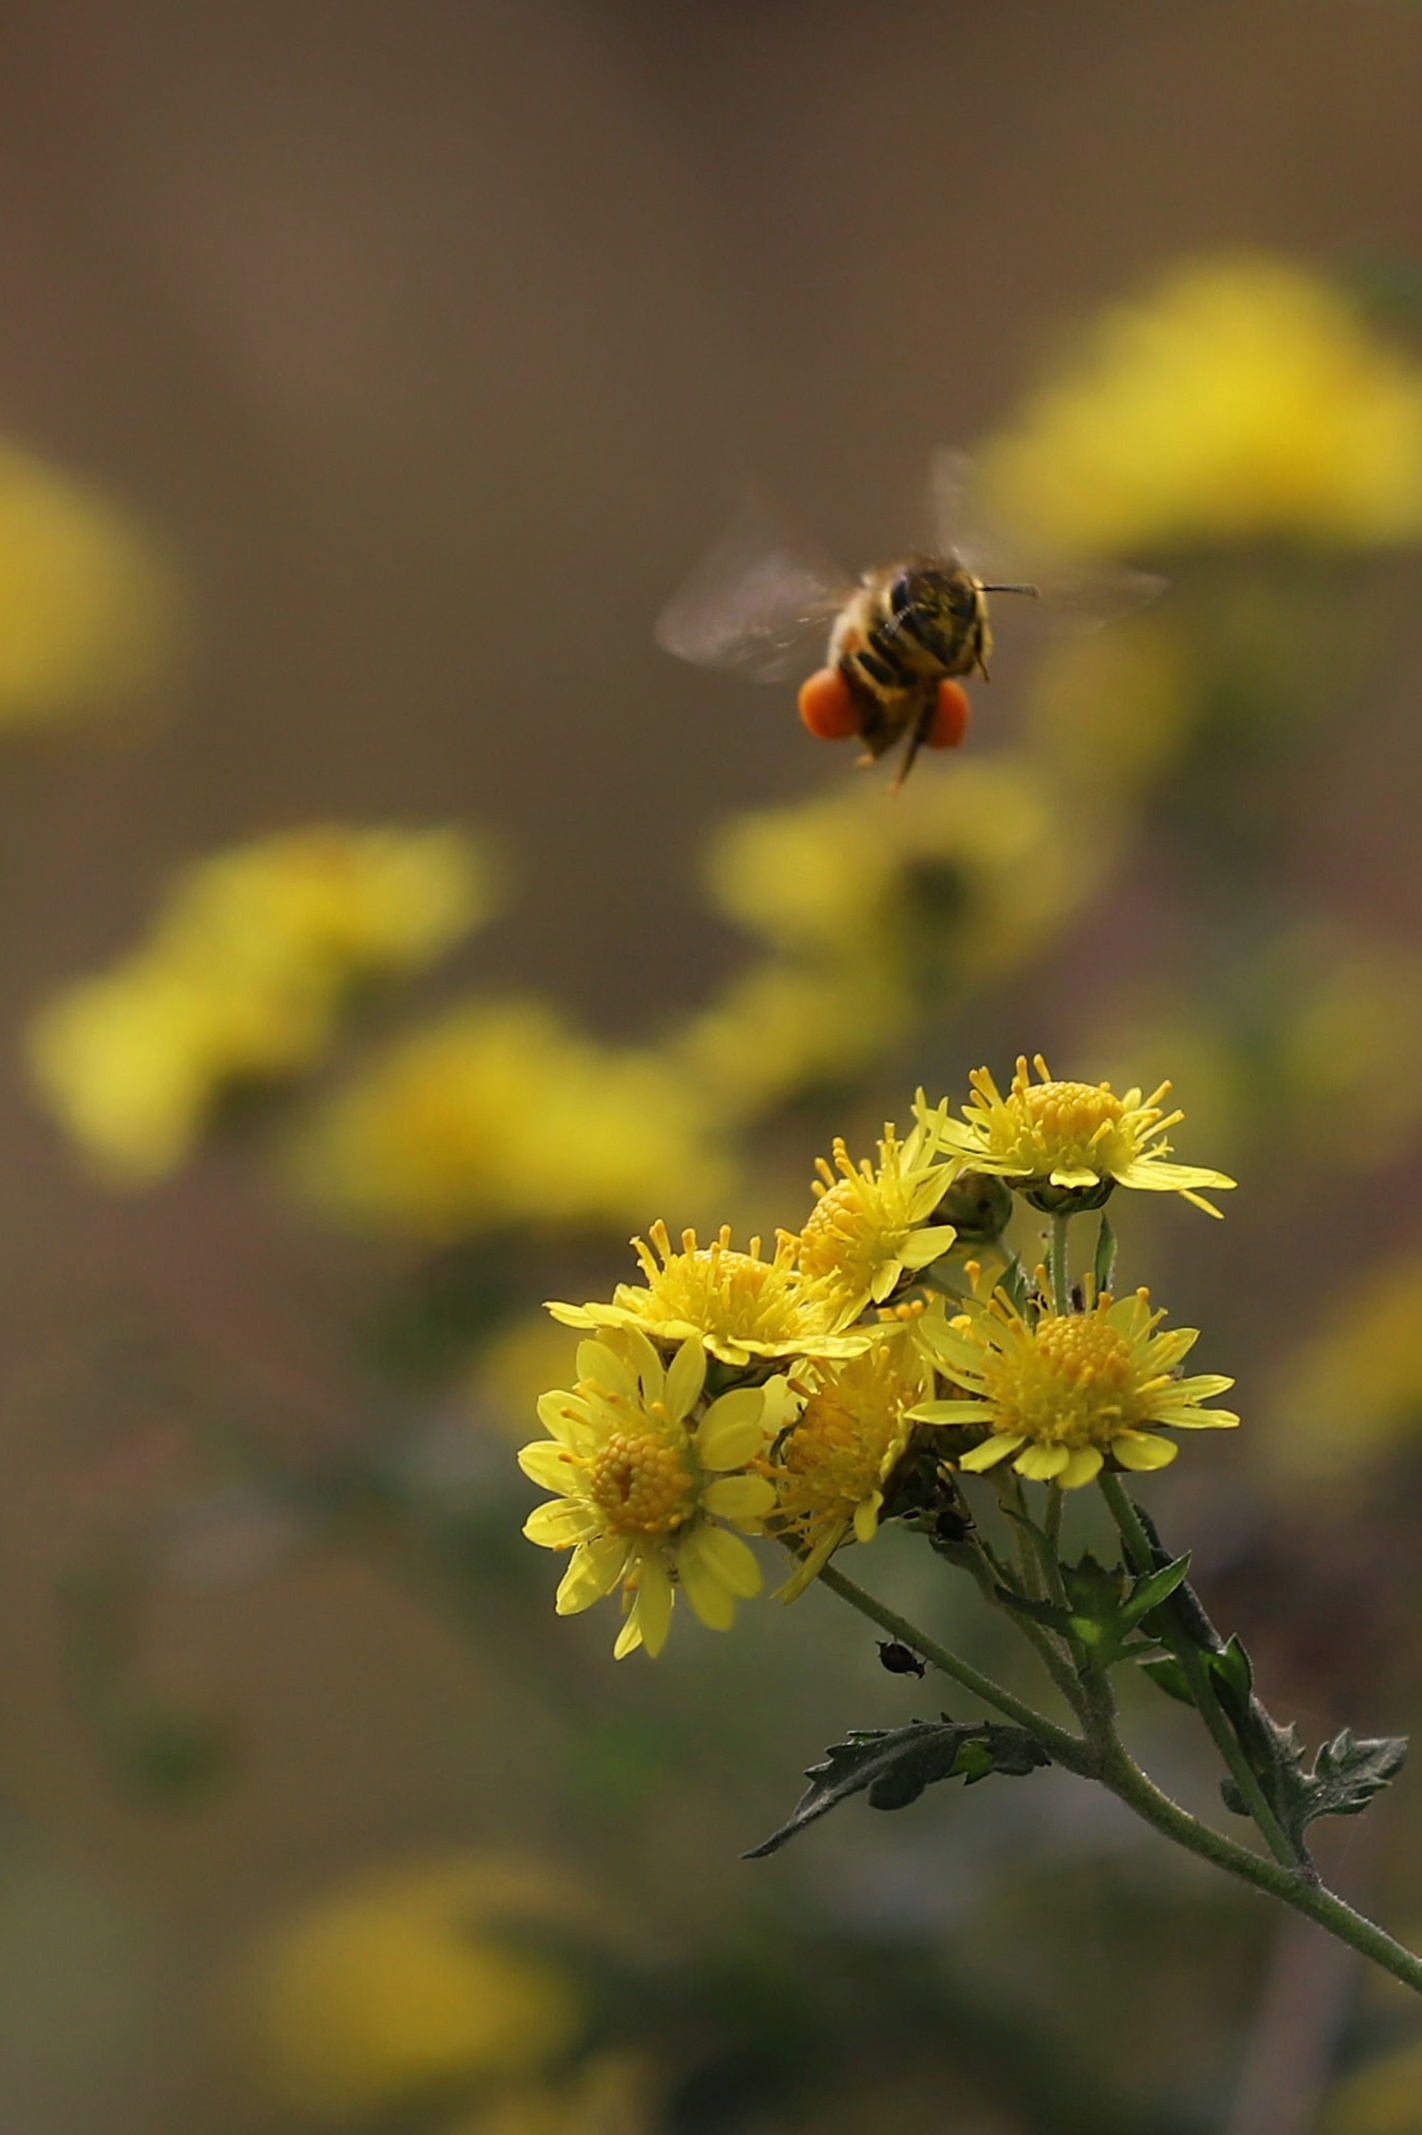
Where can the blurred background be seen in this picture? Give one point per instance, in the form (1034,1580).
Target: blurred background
(388,929)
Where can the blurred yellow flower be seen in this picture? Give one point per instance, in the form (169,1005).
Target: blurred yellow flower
(401,1986)
(1243,398)
(1058,1393)
(967,873)
(611,2095)
(1353,1393)
(644,1471)
(832,1465)
(512,1370)
(738,1304)
(1108,711)
(87,612)
(499,1114)
(784,1028)
(1381,2098)
(242,981)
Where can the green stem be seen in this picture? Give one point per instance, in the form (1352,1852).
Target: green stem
(1105,1758)
(1202,1690)
(1067,1749)
(1061,1284)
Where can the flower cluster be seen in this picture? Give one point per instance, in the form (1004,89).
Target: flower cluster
(242,981)
(864,1365)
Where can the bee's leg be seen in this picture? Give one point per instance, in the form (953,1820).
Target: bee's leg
(917,737)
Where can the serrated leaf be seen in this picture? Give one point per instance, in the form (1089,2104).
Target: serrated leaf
(1045,1612)
(1350,1770)
(1154,1588)
(1094,1590)
(894,1765)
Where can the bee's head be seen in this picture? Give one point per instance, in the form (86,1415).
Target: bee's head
(942,591)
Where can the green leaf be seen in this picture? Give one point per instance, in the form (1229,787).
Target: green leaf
(1045,1612)
(1170,1677)
(894,1765)
(1095,1590)
(1350,1770)
(1155,1587)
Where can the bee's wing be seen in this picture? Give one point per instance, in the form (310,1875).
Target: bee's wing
(752,603)
(1073,594)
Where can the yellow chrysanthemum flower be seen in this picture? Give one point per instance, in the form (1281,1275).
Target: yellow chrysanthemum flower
(1067,1144)
(739,1305)
(498,1114)
(871,1223)
(643,1474)
(1243,398)
(242,980)
(832,1465)
(1059,1394)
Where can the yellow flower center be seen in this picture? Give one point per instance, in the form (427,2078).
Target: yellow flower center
(729,1295)
(639,1483)
(853,1228)
(1062,1126)
(834,1457)
(1075,1382)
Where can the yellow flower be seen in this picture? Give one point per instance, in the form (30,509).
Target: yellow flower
(1242,398)
(1059,1394)
(386,1993)
(1067,1144)
(739,1305)
(242,981)
(644,1471)
(871,1224)
(500,1114)
(832,1465)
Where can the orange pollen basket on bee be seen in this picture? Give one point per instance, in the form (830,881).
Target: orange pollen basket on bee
(827,707)
(951,715)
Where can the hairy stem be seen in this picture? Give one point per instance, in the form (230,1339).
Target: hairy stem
(1202,1690)
(1104,1757)
(1067,1749)
(1061,1276)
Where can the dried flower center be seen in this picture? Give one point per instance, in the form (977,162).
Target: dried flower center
(639,1483)
(1076,1382)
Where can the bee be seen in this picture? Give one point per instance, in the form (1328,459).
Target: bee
(899,638)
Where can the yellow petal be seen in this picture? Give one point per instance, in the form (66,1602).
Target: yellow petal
(741,1499)
(1040,1463)
(990,1452)
(866,1517)
(1141,1451)
(725,1556)
(654,1604)
(686,1375)
(603,1368)
(594,1571)
(560,1524)
(564,1416)
(733,1429)
(713,1604)
(1083,1467)
(551,1466)
(629,1638)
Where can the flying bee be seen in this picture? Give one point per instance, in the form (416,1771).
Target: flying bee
(898,639)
